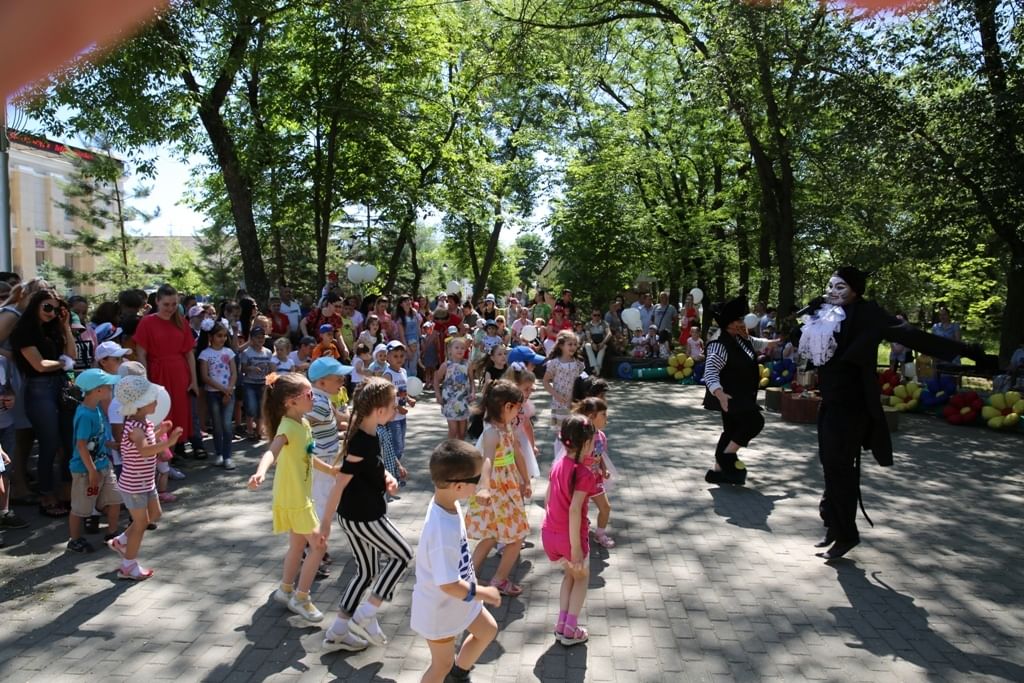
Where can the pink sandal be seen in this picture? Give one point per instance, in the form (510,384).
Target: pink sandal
(508,588)
(577,635)
(603,539)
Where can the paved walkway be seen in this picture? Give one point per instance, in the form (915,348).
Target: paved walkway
(706,584)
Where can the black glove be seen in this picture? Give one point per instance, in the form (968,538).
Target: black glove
(812,305)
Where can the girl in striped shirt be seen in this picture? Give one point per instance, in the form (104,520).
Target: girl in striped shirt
(140,444)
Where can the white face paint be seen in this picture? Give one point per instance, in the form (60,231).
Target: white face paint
(839,293)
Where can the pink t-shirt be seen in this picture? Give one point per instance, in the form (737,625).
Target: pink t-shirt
(560,494)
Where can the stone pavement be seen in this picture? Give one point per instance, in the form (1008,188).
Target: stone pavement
(707,583)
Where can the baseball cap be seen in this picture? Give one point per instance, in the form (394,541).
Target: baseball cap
(453,330)
(490,323)
(133,392)
(257,330)
(380,347)
(195,310)
(326,327)
(395,344)
(131,367)
(489,297)
(524,354)
(307,340)
(325,367)
(94,378)
(109,349)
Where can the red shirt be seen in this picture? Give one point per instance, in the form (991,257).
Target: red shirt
(279,325)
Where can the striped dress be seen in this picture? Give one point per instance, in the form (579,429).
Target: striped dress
(138,474)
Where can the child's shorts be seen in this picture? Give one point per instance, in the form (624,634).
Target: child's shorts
(136,501)
(557,545)
(84,500)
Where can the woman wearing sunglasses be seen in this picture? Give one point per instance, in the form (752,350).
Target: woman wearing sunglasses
(44,350)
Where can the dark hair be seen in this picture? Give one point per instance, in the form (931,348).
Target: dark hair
(248,306)
(517,377)
(400,312)
(205,337)
(576,431)
(453,459)
(130,298)
(280,388)
(591,386)
(495,395)
(486,361)
(165,291)
(106,312)
(30,330)
(10,277)
(591,406)
(375,392)
(361,348)
(562,337)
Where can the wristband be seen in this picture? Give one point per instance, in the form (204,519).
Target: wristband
(471,594)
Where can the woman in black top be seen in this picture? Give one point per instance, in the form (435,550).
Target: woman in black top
(358,496)
(44,351)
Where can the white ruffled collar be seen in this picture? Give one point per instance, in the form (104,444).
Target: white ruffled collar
(818,336)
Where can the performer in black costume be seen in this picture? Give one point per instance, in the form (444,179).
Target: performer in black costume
(841,336)
(731,377)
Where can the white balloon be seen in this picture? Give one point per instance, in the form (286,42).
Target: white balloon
(453,287)
(750,320)
(414,386)
(528,333)
(354,272)
(370,272)
(697,295)
(163,406)
(631,317)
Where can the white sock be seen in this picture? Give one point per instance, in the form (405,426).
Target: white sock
(123,538)
(339,627)
(365,612)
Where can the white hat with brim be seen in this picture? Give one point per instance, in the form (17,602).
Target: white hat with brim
(133,392)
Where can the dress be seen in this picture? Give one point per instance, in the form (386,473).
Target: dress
(293,483)
(563,376)
(526,411)
(503,517)
(455,391)
(166,346)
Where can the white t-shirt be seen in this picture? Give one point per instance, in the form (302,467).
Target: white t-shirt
(285,365)
(358,368)
(114,417)
(218,365)
(442,557)
(294,313)
(401,381)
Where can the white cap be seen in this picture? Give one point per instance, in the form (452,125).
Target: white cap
(109,349)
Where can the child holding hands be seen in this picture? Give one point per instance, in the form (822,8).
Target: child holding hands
(446,600)
(286,400)
(564,533)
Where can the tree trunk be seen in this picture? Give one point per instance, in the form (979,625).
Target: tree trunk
(395,260)
(240,197)
(764,253)
(480,281)
(743,249)
(1011,332)
(417,272)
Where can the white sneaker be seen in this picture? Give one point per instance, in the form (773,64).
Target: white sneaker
(282,598)
(305,609)
(175,473)
(349,642)
(370,631)
(219,462)
(228,465)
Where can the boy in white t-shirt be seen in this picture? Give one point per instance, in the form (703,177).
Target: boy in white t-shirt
(446,600)
(395,373)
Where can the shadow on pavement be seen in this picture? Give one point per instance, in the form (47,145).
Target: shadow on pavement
(745,507)
(562,663)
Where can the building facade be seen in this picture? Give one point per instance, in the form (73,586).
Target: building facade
(39,170)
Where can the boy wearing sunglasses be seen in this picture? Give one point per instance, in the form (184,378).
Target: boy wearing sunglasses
(446,599)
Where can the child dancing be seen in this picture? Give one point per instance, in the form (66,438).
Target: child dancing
(286,400)
(564,533)
(358,496)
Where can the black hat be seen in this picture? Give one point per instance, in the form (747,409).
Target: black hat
(734,309)
(857,279)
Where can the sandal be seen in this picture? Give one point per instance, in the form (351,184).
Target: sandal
(53,510)
(603,539)
(508,588)
(577,635)
(136,573)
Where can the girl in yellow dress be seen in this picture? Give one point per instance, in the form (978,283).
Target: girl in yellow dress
(286,400)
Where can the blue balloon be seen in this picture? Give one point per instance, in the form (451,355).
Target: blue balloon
(625,370)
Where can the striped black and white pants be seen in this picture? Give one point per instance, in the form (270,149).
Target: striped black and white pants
(370,541)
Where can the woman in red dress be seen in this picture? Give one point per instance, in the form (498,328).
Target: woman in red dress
(165,347)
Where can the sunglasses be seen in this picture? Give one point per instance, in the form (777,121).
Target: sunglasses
(49,308)
(467,480)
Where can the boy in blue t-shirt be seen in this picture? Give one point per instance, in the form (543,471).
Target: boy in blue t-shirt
(93,485)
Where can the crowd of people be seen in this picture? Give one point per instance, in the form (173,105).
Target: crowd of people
(329,386)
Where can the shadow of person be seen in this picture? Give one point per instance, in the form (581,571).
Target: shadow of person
(561,663)
(744,507)
(875,604)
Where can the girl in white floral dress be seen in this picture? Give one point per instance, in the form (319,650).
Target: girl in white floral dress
(455,377)
(560,374)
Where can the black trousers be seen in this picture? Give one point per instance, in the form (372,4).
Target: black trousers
(841,431)
(738,427)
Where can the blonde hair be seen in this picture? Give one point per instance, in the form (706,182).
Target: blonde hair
(374,393)
(282,343)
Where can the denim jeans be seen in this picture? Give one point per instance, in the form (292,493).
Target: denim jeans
(397,430)
(52,424)
(252,395)
(197,428)
(222,415)
(412,358)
